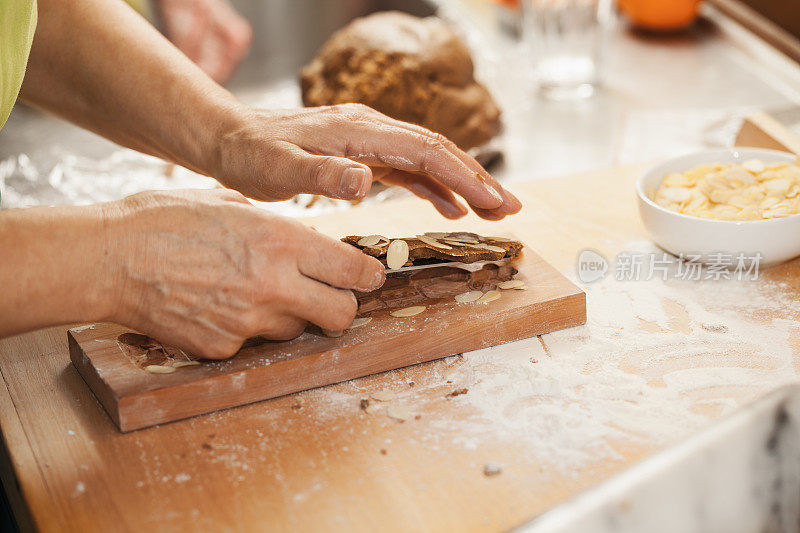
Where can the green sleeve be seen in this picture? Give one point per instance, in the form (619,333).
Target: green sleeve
(142,6)
(17,24)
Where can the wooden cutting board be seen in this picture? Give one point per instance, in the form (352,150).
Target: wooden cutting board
(113,360)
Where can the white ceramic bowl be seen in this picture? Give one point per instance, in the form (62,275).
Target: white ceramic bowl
(777,239)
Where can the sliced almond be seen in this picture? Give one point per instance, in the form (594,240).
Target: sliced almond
(158,369)
(754,165)
(436,234)
(399,413)
(499,239)
(383,395)
(430,241)
(511,284)
(179,364)
(374,407)
(360,321)
(464,241)
(408,311)
(490,296)
(369,240)
(466,297)
(397,254)
(459,243)
(462,236)
(331,333)
(489,247)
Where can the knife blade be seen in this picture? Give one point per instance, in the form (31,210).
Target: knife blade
(469,267)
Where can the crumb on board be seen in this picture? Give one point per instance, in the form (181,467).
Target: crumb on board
(715,328)
(457,392)
(492,469)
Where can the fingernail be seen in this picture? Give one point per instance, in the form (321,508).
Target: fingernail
(352,178)
(380,277)
(377,281)
(494,192)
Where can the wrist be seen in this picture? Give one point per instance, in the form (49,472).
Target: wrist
(103,297)
(223,123)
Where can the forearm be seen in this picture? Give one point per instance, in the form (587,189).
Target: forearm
(55,267)
(100,65)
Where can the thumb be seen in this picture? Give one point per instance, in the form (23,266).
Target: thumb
(335,177)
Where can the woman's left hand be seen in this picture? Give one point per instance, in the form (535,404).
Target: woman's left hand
(339,151)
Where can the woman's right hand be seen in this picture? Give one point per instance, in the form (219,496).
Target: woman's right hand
(204,270)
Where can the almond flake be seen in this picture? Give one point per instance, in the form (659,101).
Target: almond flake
(397,254)
(374,406)
(464,241)
(460,243)
(511,284)
(754,165)
(383,395)
(360,321)
(408,311)
(370,240)
(430,241)
(490,247)
(158,369)
(462,236)
(436,234)
(499,239)
(331,333)
(466,297)
(490,296)
(179,364)
(398,412)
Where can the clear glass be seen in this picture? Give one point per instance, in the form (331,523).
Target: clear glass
(566,39)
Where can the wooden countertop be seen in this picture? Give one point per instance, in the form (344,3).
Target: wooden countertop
(316,460)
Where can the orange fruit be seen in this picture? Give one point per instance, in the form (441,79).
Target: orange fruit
(660,14)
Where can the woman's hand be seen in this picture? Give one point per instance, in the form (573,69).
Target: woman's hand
(210,32)
(339,151)
(204,270)
(178,113)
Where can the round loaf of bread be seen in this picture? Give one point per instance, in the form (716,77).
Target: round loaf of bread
(412,69)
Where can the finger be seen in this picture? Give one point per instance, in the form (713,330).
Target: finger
(440,196)
(214,59)
(335,177)
(510,203)
(231,196)
(338,264)
(189,31)
(328,307)
(283,328)
(361,135)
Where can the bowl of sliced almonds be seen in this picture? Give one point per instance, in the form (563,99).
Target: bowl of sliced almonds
(728,202)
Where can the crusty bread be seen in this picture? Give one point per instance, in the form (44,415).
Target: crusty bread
(412,69)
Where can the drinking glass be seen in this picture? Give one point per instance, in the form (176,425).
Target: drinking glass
(566,39)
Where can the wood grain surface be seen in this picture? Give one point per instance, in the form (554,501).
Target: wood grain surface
(316,461)
(136,398)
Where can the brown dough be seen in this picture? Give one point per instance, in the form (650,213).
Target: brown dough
(413,69)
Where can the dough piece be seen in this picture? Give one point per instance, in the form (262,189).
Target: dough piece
(412,69)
